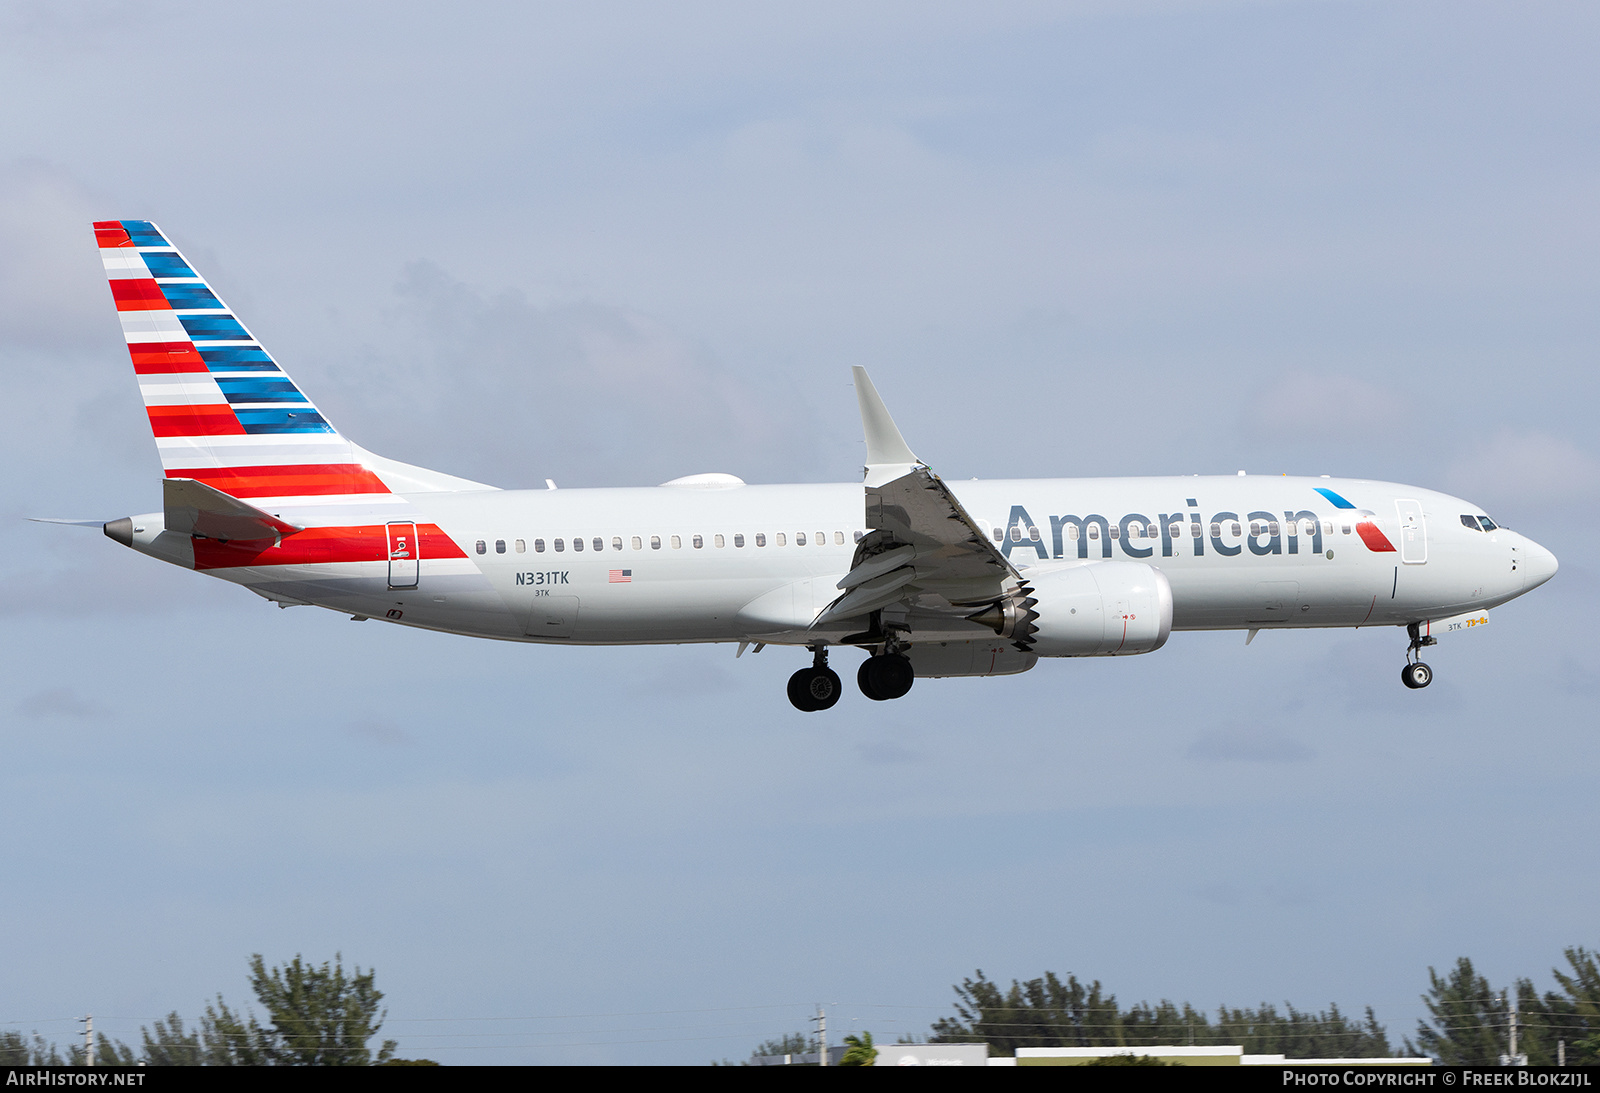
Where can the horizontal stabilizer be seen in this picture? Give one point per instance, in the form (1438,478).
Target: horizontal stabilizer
(74,523)
(194,508)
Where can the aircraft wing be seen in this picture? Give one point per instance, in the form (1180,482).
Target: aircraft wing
(924,550)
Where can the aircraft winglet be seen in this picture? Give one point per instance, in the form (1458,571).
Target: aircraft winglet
(888,455)
(194,508)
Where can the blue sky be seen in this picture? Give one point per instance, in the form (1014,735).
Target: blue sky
(614,245)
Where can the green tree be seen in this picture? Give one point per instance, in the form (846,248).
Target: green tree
(1468,1021)
(319,1016)
(169,1045)
(1042,1012)
(1049,1012)
(1580,1023)
(859,1050)
(233,1039)
(17,1050)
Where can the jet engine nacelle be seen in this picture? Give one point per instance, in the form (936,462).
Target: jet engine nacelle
(1103,609)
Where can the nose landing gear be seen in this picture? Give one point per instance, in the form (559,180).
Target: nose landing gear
(817,687)
(1417,675)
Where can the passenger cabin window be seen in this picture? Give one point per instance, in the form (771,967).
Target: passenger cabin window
(1033,533)
(600,544)
(999,535)
(1272,528)
(483,547)
(860,535)
(499,546)
(1115,531)
(1216,530)
(1175,531)
(1236,529)
(538,546)
(637,544)
(718,540)
(838,538)
(799,538)
(761,538)
(561,545)
(738,540)
(522,546)
(577,543)
(616,543)
(822,538)
(778,539)
(655,542)
(1094,531)
(699,542)
(1072,531)
(677,543)
(1016,535)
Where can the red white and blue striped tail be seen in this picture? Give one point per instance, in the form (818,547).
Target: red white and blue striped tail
(222,411)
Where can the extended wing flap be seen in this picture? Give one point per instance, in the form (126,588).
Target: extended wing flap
(194,508)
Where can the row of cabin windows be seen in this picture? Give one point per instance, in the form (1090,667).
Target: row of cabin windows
(697,541)
(1175,531)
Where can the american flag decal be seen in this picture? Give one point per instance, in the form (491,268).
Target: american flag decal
(621,576)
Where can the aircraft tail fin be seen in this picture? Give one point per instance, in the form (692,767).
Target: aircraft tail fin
(222,411)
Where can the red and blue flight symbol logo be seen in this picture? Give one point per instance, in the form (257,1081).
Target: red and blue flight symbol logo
(1376,540)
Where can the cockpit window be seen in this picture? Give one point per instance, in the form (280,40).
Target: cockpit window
(1471,522)
(1488,524)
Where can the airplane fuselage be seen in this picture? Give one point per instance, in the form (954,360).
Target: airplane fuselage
(685,564)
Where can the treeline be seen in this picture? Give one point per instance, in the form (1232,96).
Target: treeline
(316,1016)
(1471,1023)
(1048,1012)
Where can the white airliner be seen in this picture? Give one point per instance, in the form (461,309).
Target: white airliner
(930,578)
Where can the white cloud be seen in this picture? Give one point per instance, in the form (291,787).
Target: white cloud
(1324,406)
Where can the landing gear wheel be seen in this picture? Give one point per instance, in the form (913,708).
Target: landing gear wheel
(813,689)
(886,677)
(1416,676)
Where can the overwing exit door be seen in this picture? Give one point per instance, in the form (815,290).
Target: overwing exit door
(404,556)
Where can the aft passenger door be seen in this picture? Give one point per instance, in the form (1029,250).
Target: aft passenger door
(1413,532)
(404,555)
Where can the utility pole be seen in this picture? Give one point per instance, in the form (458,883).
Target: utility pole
(822,1035)
(88,1040)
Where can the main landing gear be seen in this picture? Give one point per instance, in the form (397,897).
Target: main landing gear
(817,687)
(1417,675)
(884,677)
(888,675)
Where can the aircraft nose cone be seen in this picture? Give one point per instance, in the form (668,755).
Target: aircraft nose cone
(1538,565)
